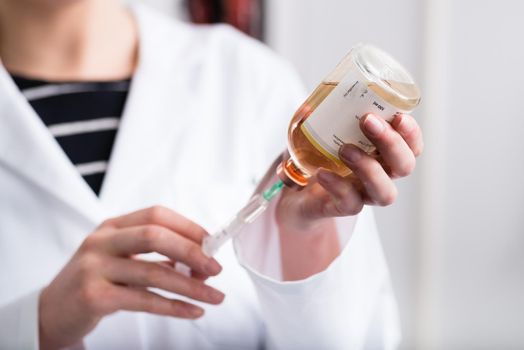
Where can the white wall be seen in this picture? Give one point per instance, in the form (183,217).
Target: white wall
(455,238)
(482,251)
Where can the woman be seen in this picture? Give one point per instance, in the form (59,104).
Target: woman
(199,113)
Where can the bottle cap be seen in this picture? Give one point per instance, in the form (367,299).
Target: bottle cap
(287,176)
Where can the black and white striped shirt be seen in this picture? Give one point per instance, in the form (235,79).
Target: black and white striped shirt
(83,117)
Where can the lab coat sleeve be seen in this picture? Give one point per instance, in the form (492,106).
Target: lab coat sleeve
(19,323)
(347,306)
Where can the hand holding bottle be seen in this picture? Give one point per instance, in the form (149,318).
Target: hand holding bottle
(371,180)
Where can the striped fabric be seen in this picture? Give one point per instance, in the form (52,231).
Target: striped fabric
(83,117)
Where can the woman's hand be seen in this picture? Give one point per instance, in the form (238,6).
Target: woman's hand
(371,182)
(305,217)
(103,276)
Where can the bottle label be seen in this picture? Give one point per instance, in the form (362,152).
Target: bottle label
(336,120)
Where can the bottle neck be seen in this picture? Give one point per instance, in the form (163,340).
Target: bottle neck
(290,174)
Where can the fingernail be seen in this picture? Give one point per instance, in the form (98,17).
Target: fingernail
(195,312)
(405,126)
(216,296)
(373,125)
(350,154)
(212,267)
(325,176)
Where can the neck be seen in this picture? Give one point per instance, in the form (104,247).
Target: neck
(67,40)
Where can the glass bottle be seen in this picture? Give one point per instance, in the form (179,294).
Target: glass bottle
(367,80)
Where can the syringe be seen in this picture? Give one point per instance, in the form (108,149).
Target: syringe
(256,206)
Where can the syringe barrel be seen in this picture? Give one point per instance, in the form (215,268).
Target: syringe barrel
(256,206)
(253,209)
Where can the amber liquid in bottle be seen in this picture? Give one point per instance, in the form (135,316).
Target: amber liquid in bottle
(305,158)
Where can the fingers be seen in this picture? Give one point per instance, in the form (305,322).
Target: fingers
(148,274)
(395,150)
(146,301)
(199,276)
(161,216)
(346,199)
(172,265)
(377,184)
(408,128)
(152,238)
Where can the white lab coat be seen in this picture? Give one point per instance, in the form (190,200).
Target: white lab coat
(207,113)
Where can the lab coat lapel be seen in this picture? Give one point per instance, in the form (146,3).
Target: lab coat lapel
(150,122)
(27,147)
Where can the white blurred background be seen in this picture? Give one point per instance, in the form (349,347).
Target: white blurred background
(455,238)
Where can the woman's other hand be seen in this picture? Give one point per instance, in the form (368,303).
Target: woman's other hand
(305,217)
(104,275)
